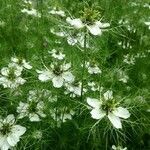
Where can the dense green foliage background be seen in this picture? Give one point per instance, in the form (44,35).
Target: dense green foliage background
(33,44)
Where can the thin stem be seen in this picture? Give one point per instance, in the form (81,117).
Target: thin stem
(84,62)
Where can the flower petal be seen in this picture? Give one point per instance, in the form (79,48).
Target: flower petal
(95,103)
(34,117)
(57,81)
(115,120)
(68,76)
(94,29)
(77,23)
(97,114)
(44,75)
(121,112)
(18,130)
(12,139)
(10,119)
(108,95)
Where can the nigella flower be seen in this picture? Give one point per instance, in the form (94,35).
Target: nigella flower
(31,12)
(94,87)
(10,132)
(57,54)
(74,89)
(108,107)
(11,76)
(54,11)
(32,109)
(93,68)
(118,148)
(21,62)
(94,28)
(59,74)
(129,59)
(122,76)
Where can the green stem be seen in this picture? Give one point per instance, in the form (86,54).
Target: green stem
(84,63)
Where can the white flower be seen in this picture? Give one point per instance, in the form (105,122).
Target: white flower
(74,89)
(93,68)
(129,59)
(104,108)
(57,54)
(59,74)
(11,76)
(32,12)
(57,12)
(118,148)
(32,109)
(21,62)
(94,87)
(148,24)
(10,133)
(122,76)
(95,29)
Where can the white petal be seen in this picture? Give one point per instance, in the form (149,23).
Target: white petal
(71,40)
(121,112)
(58,81)
(26,65)
(115,120)
(102,25)
(3,139)
(68,76)
(77,23)
(34,117)
(44,75)
(5,71)
(18,130)
(94,29)
(12,139)
(95,103)
(5,145)
(147,23)
(10,119)
(108,95)
(97,113)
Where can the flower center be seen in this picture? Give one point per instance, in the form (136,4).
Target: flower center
(90,16)
(11,75)
(57,71)
(33,107)
(6,128)
(108,106)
